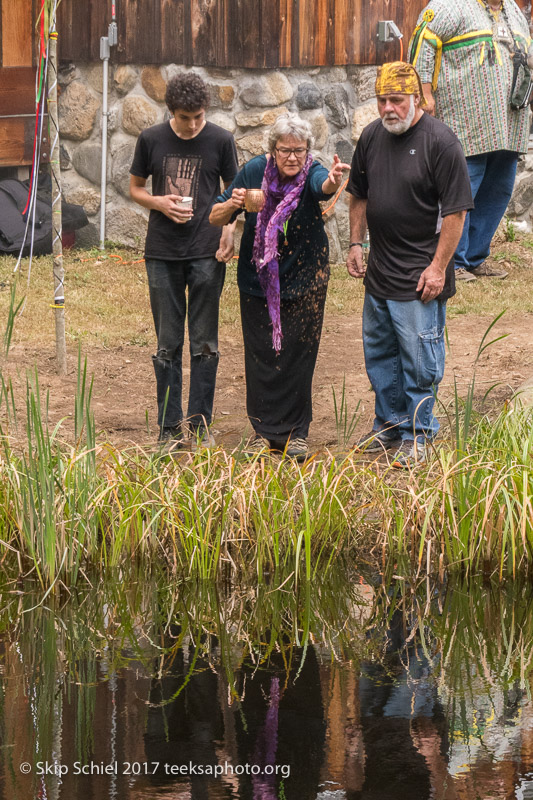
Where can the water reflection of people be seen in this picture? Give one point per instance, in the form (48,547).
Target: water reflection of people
(184,720)
(390,699)
(277,726)
(281,721)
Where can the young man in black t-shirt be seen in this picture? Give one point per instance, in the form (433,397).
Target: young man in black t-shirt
(186,157)
(409,182)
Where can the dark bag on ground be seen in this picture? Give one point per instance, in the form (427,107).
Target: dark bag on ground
(13,199)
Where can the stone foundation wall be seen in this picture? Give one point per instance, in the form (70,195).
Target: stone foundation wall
(338,102)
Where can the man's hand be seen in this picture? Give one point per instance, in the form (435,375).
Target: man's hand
(167,204)
(431,283)
(226,249)
(355,263)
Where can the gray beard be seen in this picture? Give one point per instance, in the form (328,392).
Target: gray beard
(397,127)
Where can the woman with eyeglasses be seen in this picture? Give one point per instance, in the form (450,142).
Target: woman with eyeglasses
(282,275)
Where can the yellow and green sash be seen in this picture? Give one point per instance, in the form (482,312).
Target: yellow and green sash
(423,33)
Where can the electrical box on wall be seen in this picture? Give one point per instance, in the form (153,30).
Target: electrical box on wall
(388,31)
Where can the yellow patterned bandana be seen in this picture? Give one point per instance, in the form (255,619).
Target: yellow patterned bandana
(399,78)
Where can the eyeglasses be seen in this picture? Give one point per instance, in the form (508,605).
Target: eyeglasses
(285,152)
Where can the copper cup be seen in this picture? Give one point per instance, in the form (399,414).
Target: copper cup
(254,200)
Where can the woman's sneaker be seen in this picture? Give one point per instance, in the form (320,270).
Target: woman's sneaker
(297,448)
(462,274)
(487,271)
(377,441)
(257,446)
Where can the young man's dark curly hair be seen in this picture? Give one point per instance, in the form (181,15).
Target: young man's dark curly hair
(186,91)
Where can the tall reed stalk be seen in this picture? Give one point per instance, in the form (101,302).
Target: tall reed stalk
(14,308)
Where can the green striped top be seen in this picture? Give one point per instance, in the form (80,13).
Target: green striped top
(473,90)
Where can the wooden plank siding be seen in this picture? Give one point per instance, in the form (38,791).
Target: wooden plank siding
(16,141)
(17,91)
(175,30)
(218,33)
(285,32)
(17,33)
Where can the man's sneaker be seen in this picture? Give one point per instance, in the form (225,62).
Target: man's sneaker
(409,454)
(202,438)
(486,271)
(377,441)
(297,448)
(463,274)
(257,446)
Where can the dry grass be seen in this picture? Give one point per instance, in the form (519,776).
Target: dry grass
(107,295)
(106,299)
(490,297)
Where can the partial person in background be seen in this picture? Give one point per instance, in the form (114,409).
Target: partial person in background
(283,275)
(186,157)
(472,58)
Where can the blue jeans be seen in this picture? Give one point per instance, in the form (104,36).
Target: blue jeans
(492,177)
(167,282)
(404,357)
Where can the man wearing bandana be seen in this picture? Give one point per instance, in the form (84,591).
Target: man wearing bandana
(467,53)
(409,184)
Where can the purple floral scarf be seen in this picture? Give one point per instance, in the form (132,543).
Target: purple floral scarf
(281,198)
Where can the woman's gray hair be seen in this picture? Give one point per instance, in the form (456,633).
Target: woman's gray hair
(290,125)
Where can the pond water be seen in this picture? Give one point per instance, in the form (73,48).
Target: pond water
(343,689)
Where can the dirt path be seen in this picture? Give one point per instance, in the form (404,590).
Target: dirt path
(124,392)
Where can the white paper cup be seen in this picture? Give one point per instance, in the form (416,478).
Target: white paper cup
(185,204)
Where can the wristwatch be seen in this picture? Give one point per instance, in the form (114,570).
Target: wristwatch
(356,244)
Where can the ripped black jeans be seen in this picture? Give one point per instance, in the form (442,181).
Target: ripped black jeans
(168,282)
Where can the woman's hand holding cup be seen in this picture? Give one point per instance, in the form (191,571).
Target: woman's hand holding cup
(254,200)
(237,198)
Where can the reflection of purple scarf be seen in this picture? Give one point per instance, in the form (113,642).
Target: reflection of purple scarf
(264,786)
(281,198)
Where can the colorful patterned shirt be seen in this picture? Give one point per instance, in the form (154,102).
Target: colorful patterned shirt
(467,55)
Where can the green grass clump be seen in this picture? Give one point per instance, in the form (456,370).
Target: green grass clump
(68,508)
(471,507)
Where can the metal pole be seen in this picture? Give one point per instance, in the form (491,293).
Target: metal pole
(106,43)
(104,55)
(55,170)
